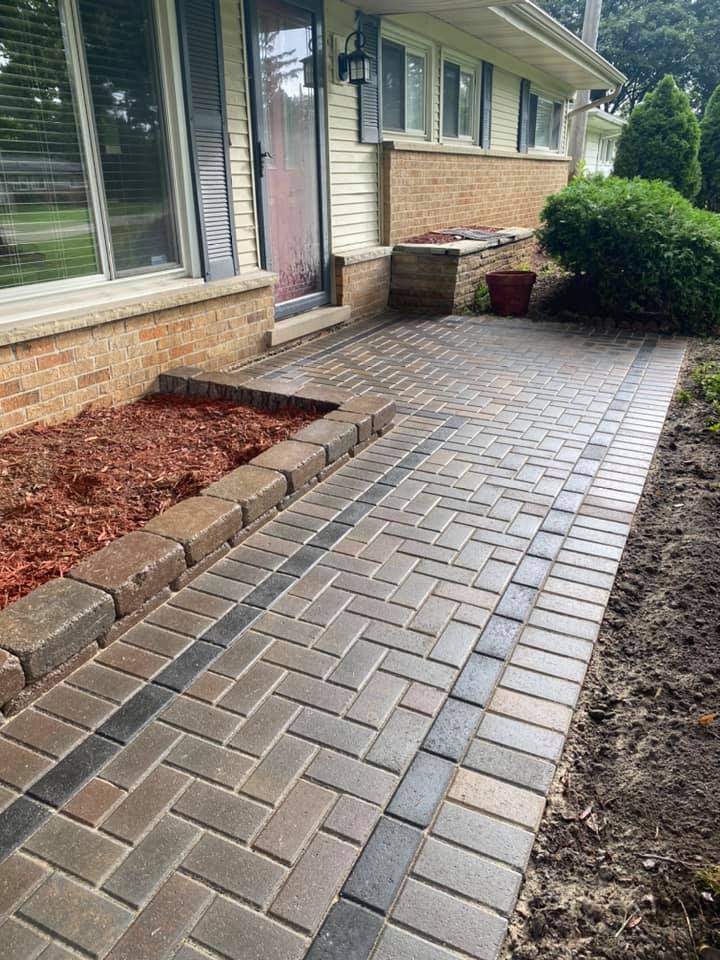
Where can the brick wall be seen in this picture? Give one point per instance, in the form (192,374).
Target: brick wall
(447,283)
(52,378)
(426,190)
(363,283)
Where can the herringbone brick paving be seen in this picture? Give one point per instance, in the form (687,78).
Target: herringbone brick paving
(338,741)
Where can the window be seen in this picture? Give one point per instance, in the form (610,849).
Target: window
(404,82)
(458,99)
(545,123)
(84,179)
(607,149)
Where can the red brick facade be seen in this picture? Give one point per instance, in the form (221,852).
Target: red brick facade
(424,190)
(53,377)
(363,282)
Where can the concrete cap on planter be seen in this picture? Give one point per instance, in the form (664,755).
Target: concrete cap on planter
(362,421)
(336,438)
(199,524)
(381,409)
(53,623)
(12,677)
(298,462)
(132,569)
(255,489)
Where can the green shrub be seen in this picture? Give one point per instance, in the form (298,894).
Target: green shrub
(710,153)
(639,248)
(707,377)
(661,139)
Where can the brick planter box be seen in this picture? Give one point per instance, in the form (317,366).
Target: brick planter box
(48,632)
(444,277)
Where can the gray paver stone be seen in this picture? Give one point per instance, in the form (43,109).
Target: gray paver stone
(336,438)
(362,422)
(54,622)
(77,914)
(254,488)
(380,408)
(199,524)
(241,934)
(465,927)
(12,678)
(132,569)
(298,462)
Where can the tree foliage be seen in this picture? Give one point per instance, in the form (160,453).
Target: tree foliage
(637,248)
(661,140)
(648,39)
(710,154)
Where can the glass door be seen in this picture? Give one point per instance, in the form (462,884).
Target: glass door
(287,93)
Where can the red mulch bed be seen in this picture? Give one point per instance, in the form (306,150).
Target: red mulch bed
(69,489)
(445,236)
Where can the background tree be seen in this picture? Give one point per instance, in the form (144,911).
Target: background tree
(710,154)
(661,140)
(648,39)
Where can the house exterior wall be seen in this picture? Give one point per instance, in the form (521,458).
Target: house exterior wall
(425,190)
(354,167)
(53,377)
(239,126)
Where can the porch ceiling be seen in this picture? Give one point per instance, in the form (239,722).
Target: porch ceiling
(521,29)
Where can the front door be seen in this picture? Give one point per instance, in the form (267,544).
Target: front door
(288,111)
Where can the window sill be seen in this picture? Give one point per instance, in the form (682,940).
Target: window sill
(421,146)
(45,316)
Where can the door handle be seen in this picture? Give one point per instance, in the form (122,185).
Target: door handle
(262,156)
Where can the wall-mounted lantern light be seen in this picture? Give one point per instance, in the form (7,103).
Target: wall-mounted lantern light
(308,64)
(355,65)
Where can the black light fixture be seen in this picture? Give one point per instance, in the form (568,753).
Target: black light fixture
(355,65)
(308,64)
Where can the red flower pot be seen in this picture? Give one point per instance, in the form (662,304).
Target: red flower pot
(510,291)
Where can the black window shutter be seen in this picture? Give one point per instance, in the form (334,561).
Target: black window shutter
(532,120)
(486,106)
(524,117)
(369,93)
(199,22)
(557,125)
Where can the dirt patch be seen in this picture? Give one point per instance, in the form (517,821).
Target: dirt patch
(67,490)
(635,810)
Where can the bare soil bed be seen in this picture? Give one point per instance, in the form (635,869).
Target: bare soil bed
(634,818)
(67,490)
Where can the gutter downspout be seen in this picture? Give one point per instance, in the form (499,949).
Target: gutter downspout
(596,103)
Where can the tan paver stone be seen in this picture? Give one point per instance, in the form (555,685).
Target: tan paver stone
(496,797)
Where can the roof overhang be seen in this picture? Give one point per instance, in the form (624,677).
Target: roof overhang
(520,29)
(606,123)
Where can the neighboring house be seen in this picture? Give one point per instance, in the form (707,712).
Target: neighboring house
(601,140)
(179,177)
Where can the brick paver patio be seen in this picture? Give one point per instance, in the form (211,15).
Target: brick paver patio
(337,743)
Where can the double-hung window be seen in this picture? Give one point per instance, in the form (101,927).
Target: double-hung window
(85,185)
(404,88)
(459,84)
(546,118)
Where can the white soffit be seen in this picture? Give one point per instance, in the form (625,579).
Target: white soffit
(520,29)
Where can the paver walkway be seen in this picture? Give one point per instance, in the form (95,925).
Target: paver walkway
(353,761)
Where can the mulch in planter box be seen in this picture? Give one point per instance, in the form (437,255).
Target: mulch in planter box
(67,490)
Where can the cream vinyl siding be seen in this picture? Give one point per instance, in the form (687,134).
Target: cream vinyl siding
(238,111)
(354,169)
(505,110)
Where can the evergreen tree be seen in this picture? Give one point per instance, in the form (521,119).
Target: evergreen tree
(710,154)
(661,140)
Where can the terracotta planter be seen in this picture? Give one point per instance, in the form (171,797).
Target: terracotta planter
(510,291)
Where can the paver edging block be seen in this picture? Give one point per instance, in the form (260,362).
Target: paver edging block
(53,623)
(110,589)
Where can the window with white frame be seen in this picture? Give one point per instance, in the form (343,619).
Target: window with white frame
(545,122)
(459,84)
(404,88)
(607,149)
(85,185)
